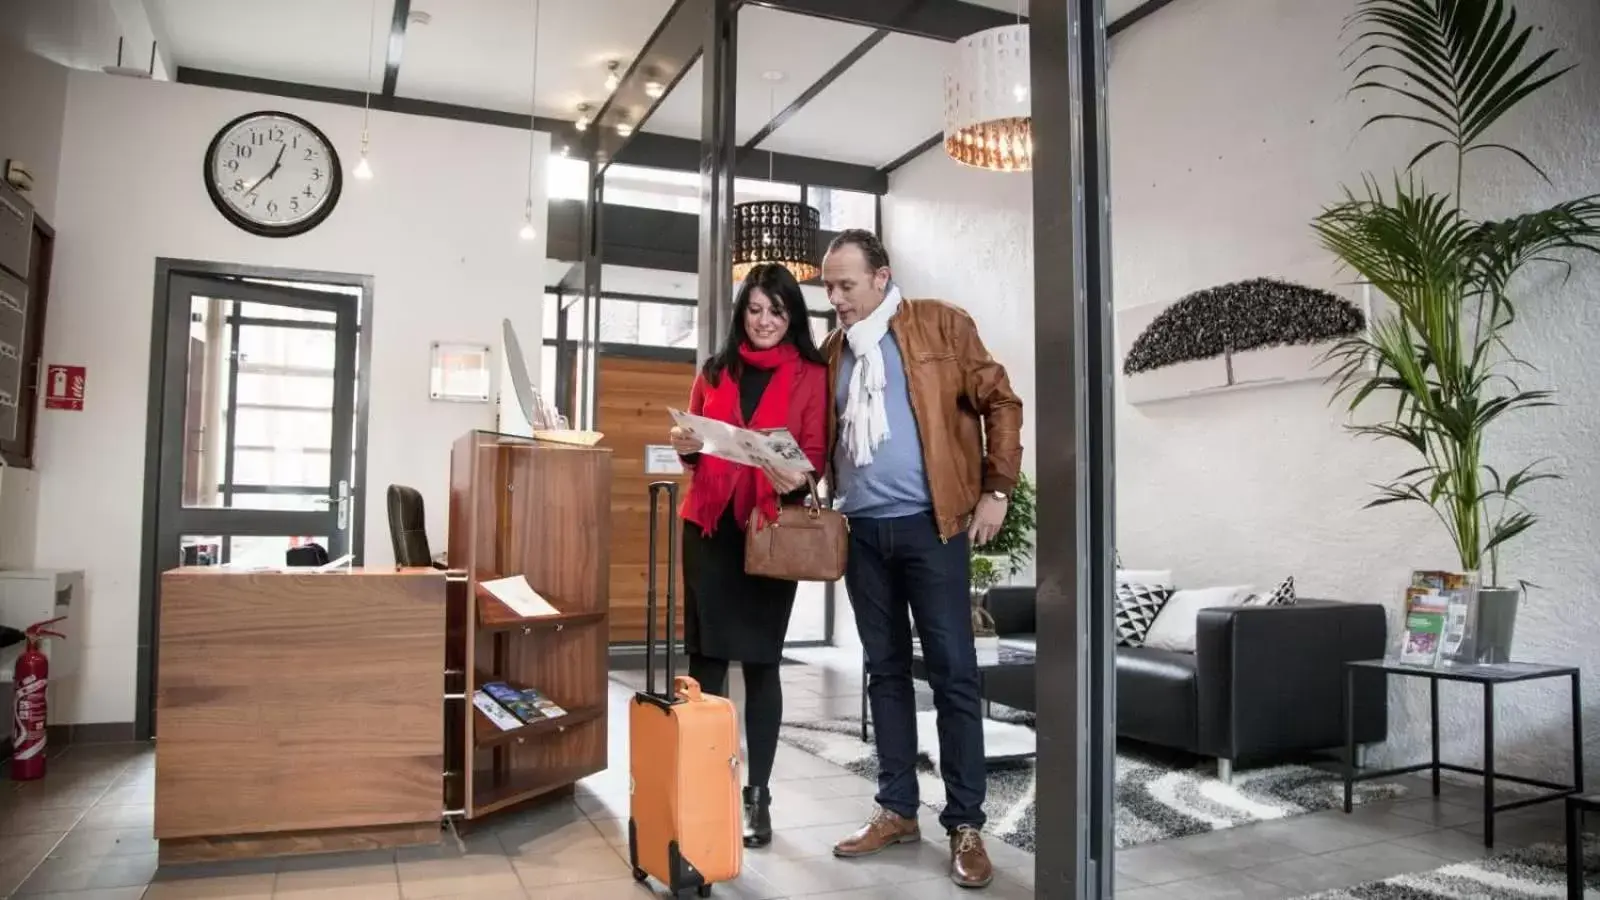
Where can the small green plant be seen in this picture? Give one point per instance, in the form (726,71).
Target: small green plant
(985,574)
(1013,543)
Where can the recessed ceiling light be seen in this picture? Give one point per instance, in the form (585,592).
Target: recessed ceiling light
(654,89)
(583,117)
(419,17)
(624,129)
(612,77)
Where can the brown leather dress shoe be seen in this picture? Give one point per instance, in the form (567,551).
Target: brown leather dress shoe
(885,829)
(969,862)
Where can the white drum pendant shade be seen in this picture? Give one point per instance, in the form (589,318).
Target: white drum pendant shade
(988,108)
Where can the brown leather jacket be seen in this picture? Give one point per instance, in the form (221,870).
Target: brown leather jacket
(962,401)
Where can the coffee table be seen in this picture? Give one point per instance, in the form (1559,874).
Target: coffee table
(1004,742)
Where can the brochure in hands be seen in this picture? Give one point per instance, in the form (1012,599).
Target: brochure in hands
(777,448)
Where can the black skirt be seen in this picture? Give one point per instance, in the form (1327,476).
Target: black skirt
(728,614)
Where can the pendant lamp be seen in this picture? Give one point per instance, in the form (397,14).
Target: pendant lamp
(775,231)
(988,113)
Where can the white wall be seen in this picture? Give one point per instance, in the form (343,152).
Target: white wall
(1229,130)
(436,228)
(32,109)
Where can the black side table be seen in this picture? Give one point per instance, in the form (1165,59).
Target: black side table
(1577,805)
(1489,675)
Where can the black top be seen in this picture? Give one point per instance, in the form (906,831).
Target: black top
(1479,673)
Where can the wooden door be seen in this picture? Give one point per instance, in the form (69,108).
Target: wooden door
(632,394)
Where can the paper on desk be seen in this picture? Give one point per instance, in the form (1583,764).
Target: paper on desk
(516,593)
(776,448)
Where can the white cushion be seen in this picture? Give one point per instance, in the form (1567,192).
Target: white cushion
(1176,625)
(1151,577)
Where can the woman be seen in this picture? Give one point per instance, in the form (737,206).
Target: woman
(767,375)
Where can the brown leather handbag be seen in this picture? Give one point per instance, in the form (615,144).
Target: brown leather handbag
(807,543)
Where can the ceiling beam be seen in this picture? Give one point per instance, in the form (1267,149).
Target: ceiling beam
(810,93)
(652,150)
(663,60)
(939,20)
(397,45)
(1122,24)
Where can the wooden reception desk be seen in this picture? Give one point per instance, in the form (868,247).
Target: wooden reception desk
(298,712)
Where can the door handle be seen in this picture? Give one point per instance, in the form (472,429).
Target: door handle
(341,502)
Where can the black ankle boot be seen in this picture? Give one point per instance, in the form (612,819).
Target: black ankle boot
(757,817)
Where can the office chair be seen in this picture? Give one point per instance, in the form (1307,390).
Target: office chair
(407,529)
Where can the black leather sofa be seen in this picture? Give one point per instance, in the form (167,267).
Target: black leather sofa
(1264,681)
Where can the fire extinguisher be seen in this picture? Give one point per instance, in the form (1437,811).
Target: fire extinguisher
(28,716)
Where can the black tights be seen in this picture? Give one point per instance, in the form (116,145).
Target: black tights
(763,707)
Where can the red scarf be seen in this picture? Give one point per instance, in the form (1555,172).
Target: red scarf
(717,482)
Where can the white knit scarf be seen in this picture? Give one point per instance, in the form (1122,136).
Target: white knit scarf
(865,424)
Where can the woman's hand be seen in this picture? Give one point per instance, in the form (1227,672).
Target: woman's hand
(784,480)
(684,442)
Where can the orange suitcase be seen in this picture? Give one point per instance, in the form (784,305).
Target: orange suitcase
(685,822)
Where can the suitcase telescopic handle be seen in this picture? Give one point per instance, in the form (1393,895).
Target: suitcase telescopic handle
(670,490)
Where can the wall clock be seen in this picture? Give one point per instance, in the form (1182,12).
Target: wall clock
(273,174)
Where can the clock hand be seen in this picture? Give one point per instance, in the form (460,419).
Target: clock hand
(276,165)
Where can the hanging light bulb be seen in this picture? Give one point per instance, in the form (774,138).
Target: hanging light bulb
(624,129)
(612,78)
(528,232)
(363,169)
(583,117)
(654,89)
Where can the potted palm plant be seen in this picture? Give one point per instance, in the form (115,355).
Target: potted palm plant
(1439,357)
(1006,554)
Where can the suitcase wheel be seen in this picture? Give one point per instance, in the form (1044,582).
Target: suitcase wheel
(703,890)
(640,875)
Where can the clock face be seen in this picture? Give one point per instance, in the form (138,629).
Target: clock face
(273,174)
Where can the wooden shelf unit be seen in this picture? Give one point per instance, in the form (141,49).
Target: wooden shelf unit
(542,511)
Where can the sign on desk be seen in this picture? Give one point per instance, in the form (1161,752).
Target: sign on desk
(661,459)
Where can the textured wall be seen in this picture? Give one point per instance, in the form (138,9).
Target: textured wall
(1229,130)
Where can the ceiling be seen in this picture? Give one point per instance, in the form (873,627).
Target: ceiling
(480,53)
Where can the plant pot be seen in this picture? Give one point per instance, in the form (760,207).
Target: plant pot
(988,646)
(1495,623)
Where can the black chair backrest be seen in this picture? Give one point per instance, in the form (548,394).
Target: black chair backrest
(406,527)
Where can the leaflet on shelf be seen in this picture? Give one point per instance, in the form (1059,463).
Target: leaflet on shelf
(511,698)
(495,712)
(516,593)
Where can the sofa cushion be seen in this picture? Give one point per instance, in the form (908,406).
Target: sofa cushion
(1157,697)
(1137,606)
(1176,625)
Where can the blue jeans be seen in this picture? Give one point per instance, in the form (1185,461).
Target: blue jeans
(898,570)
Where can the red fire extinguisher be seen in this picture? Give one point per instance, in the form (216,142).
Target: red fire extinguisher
(28,717)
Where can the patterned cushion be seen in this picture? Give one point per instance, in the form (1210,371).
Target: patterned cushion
(1282,595)
(1137,607)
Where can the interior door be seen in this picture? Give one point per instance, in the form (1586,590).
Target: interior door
(266,461)
(634,388)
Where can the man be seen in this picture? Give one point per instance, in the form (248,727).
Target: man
(915,400)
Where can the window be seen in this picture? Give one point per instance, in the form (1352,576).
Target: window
(745,189)
(845,209)
(567,179)
(652,188)
(648,324)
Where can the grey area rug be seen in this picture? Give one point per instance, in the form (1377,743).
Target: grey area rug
(1156,799)
(1537,871)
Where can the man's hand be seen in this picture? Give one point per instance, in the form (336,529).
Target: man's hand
(986,520)
(684,442)
(784,480)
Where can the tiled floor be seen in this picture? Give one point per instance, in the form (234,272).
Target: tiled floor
(84,834)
